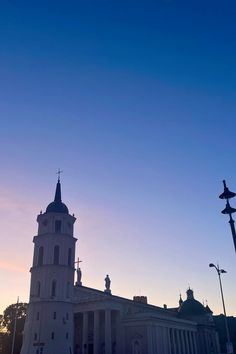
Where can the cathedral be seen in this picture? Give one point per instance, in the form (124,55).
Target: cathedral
(66,317)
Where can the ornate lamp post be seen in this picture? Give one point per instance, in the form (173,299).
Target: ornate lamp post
(227,194)
(219,272)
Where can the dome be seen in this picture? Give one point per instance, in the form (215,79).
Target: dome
(191,307)
(57,206)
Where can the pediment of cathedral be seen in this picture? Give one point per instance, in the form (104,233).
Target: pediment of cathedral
(129,308)
(84,294)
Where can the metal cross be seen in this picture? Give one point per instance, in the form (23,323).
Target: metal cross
(59,173)
(78,262)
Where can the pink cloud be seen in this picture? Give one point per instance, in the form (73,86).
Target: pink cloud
(12,267)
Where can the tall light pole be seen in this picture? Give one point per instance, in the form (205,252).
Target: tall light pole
(219,272)
(227,194)
(14,328)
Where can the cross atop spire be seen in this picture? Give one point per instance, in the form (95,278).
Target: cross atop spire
(59,174)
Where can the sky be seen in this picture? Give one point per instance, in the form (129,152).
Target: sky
(135,102)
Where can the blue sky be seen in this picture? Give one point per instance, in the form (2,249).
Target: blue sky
(135,101)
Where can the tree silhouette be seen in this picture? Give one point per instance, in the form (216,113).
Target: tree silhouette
(7,321)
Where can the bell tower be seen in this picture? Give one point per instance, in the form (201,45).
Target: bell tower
(49,322)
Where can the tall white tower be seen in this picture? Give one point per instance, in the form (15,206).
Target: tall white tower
(49,323)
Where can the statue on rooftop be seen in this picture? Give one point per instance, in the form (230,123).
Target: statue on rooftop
(107,284)
(79,273)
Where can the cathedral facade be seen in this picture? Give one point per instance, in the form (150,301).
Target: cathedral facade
(68,318)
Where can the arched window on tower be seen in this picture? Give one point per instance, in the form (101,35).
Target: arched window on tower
(58,226)
(56,255)
(69,256)
(53,290)
(38,289)
(40,256)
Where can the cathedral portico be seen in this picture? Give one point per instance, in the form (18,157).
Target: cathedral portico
(97,331)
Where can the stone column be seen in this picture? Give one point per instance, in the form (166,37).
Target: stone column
(187,342)
(118,334)
(195,343)
(174,340)
(96,343)
(183,342)
(178,342)
(108,332)
(169,341)
(191,342)
(162,337)
(210,341)
(85,333)
(166,341)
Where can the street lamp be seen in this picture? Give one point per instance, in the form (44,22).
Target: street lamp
(219,272)
(227,194)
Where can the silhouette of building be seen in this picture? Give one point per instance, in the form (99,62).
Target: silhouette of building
(64,318)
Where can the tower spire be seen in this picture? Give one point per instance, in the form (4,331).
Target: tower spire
(57,206)
(57,198)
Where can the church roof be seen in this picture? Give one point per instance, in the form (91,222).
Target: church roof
(84,296)
(57,206)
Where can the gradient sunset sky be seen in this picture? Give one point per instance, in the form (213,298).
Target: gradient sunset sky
(136,102)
